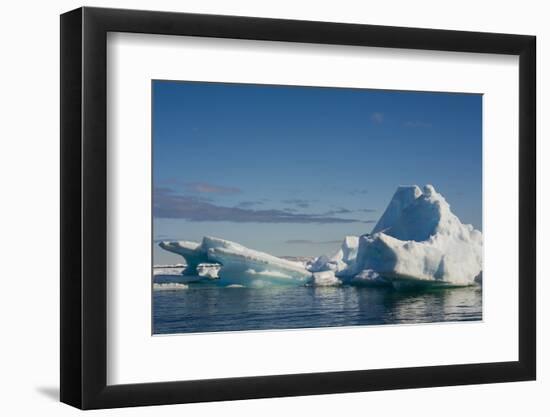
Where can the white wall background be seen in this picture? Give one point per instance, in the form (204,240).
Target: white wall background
(29,159)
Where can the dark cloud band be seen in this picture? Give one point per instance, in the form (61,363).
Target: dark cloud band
(170,205)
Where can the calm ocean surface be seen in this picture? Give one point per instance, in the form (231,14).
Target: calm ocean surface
(205,308)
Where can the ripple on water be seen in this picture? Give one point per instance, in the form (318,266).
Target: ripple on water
(204,308)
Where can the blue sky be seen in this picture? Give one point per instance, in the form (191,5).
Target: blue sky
(292,170)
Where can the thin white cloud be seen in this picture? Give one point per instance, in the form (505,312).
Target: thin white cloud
(205,187)
(377,117)
(418,124)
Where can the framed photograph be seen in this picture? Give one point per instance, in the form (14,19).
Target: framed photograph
(257,208)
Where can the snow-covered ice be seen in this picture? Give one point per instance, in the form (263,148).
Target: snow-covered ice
(169,286)
(340,261)
(168,269)
(324,279)
(320,263)
(368,277)
(403,197)
(418,239)
(239,264)
(209,271)
(192,252)
(421,240)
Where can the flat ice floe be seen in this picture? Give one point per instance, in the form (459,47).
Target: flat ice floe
(168,270)
(169,286)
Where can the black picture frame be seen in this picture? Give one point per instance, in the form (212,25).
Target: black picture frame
(84,207)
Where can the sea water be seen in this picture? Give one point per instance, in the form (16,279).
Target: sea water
(208,308)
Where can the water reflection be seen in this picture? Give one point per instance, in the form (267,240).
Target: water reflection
(204,308)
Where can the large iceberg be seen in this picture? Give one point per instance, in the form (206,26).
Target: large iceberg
(403,197)
(239,264)
(418,240)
